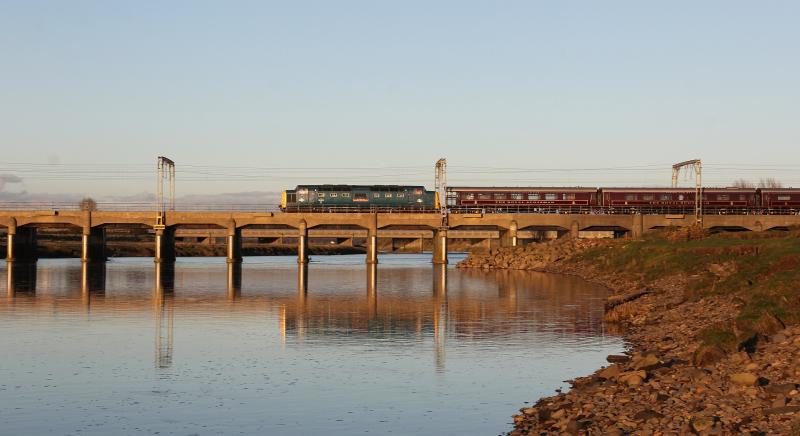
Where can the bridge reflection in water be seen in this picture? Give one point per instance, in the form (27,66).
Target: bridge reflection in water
(456,306)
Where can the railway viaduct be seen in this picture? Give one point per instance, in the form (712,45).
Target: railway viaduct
(510,229)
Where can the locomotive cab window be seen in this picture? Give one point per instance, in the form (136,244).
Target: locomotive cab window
(417,191)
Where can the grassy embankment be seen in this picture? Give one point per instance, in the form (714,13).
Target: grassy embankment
(760,271)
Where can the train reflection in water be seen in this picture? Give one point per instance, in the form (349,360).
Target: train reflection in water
(374,303)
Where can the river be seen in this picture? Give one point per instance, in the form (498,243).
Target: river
(208,348)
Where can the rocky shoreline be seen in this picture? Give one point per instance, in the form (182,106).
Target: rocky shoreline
(670,381)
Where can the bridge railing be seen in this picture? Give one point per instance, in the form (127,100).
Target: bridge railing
(267,208)
(136,206)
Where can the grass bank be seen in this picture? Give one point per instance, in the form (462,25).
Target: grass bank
(761,271)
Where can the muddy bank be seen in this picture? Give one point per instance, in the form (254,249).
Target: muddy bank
(712,328)
(144,249)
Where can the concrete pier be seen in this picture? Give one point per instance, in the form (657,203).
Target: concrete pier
(165,245)
(372,240)
(21,244)
(234,241)
(93,244)
(302,243)
(440,247)
(637,229)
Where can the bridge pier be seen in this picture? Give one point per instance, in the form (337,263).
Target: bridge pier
(302,243)
(509,237)
(234,241)
(93,244)
(440,247)
(165,245)
(372,240)
(574,230)
(21,244)
(637,229)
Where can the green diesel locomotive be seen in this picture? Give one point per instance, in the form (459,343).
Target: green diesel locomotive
(332,198)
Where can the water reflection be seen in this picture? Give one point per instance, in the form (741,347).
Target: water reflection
(382,345)
(93,281)
(164,315)
(234,280)
(20,278)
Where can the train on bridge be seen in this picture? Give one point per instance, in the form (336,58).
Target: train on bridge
(399,198)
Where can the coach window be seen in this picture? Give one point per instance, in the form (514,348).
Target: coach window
(321,194)
(334,195)
(665,197)
(388,195)
(346,194)
(516,196)
(680,197)
(376,195)
(533,196)
(784,198)
(568,196)
(630,197)
(742,198)
(499,196)
(723,197)
(648,197)
(469,196)
(401,194)
(484,197)
(550,197)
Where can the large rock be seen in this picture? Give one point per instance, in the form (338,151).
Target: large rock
(744,379)
(632,378)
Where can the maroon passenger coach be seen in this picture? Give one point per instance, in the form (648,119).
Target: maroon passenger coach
(525,198)
(780,200)
(676,200)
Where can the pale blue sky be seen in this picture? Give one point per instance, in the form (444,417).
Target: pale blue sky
(375,84)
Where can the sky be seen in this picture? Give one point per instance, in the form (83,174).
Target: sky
(260,96)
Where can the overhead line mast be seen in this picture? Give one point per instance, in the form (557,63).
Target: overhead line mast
(697,166)
(165,169)
(440,183)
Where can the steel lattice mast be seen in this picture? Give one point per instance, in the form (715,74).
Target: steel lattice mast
(697,166)
(165,169)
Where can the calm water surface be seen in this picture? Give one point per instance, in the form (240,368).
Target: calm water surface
(204,348)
